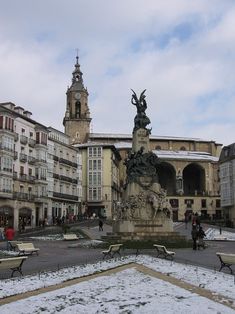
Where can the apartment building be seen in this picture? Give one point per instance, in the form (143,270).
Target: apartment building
(30,191)
(100,177)
(64,178)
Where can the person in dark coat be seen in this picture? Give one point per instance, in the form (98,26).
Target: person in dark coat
(201,236)
(194,234)
(100,225)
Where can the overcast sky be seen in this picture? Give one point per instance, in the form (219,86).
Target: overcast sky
(181,51)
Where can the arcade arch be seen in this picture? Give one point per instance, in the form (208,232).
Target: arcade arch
(6,216)
(167,177)
(25,217)
(194,179)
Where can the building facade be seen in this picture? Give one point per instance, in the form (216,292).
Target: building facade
(227,182)
(64,178)
(27,192)
(101,182)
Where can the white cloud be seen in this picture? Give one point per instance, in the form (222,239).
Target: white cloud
(120,48)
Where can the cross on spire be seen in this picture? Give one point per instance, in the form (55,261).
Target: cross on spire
(77,57)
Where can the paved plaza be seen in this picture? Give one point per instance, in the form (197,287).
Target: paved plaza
(55,255)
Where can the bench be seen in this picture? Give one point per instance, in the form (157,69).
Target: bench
(70,236)
(162,251)
(112,250)
(226,260)
(13,263)
(26,248)
(13,244)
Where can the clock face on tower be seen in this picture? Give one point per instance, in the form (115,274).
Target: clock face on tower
(77,96)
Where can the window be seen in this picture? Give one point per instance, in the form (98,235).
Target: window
(203,203)
(182,148)
(217,203)
(21,170)
(158,147)
(188,203)
(174,203)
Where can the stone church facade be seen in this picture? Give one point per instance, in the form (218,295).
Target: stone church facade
(189,170)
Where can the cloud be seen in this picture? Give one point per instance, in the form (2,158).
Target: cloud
(181,51)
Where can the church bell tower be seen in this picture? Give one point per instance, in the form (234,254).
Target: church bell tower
(77,116)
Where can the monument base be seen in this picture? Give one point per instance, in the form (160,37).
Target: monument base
(143,229)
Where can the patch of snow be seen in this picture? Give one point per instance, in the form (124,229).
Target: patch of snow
(128,291)
(214,234)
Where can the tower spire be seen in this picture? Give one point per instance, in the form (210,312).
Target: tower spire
(77,73)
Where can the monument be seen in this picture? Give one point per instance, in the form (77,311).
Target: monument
(143,212)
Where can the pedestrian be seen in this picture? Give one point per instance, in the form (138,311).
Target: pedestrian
(194,234)
(100,225)
(201,236)
(9,234)
(186,219)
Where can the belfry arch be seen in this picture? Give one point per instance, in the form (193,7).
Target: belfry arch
(194,179)
(167,177)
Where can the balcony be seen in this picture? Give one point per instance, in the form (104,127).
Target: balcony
(23,157)
(6,148)
(31,160)
(65,196)
(5,170)
(32,142)
(65,178)
(23,177)
(31,197)
(55,158)
(15,175)
(23,139)
(56,176)
(68,162)
(40,198)
(40,178)
(15,155)
(5,193)
(16,137)
(20,196)
(31,179)
(41,160)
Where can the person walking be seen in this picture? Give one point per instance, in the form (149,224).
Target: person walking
(194,234)
(186,219)
(201,236)
(9,234)
(100,225)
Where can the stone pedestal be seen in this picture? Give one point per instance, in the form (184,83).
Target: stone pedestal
(140,139)
(156,226)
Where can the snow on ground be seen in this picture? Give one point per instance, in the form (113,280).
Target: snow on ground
(214,234)
(127,291)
